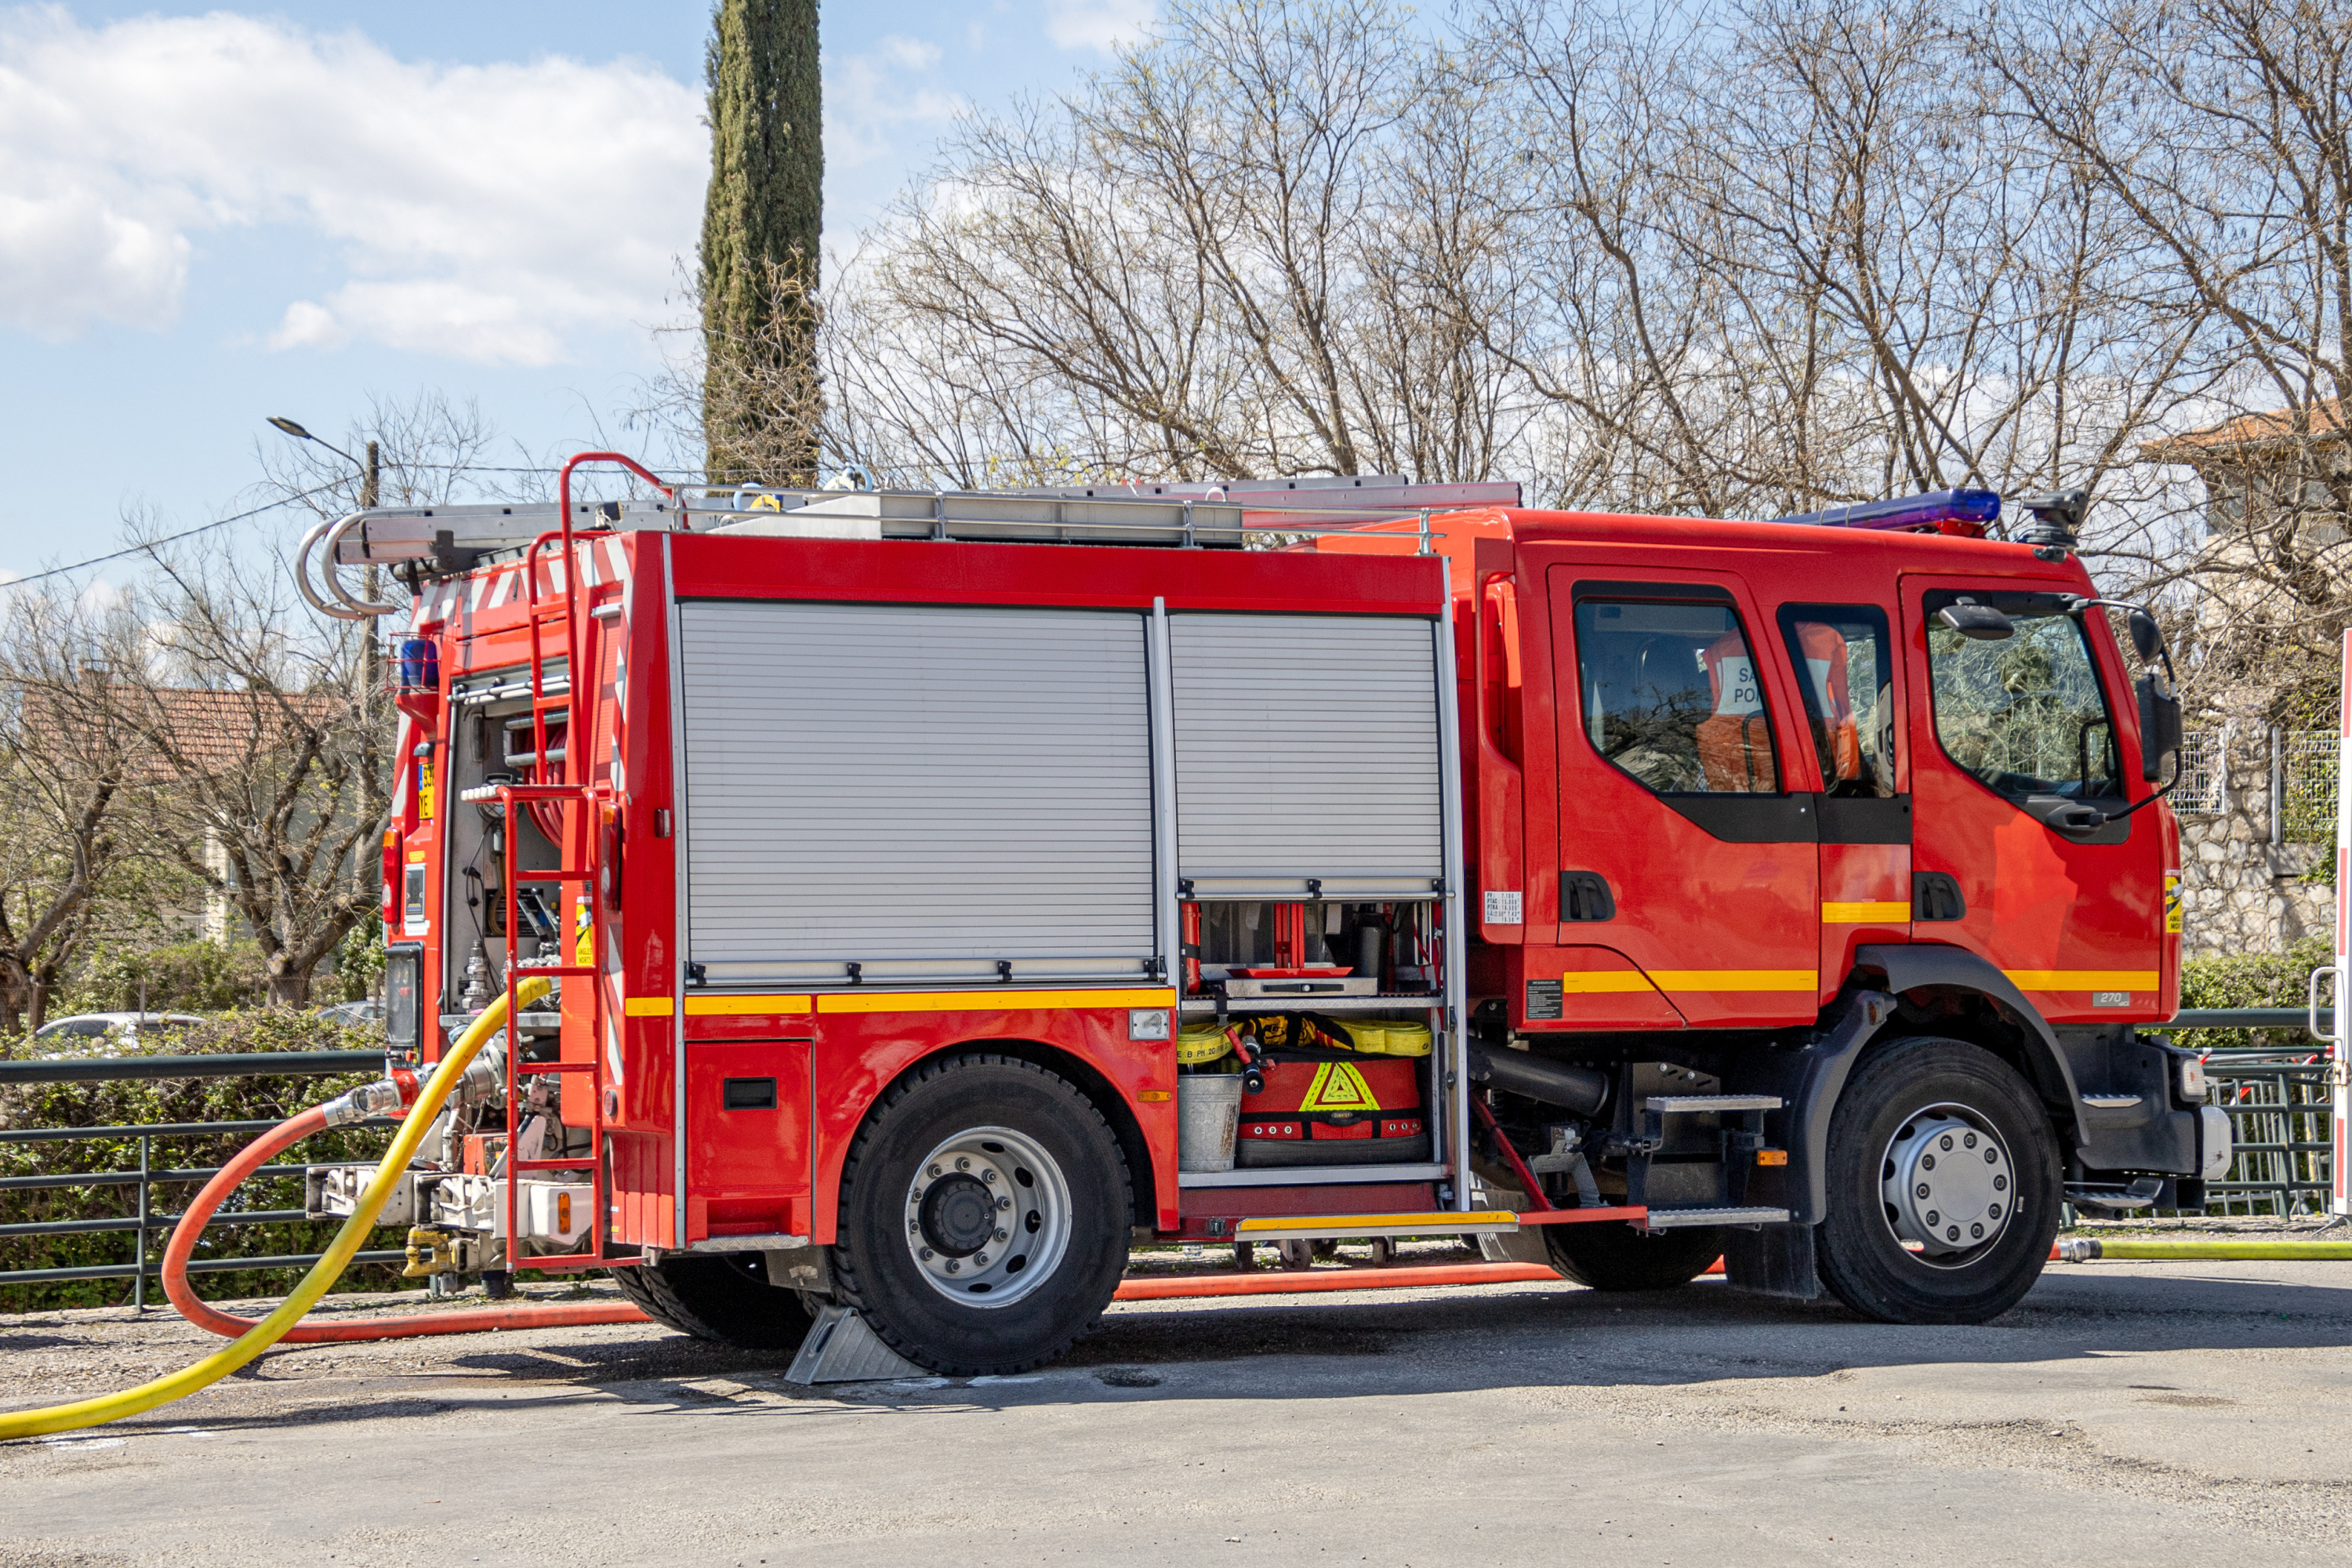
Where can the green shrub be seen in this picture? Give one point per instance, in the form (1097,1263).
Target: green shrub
(177,977)
(127,1102)
(2250,980)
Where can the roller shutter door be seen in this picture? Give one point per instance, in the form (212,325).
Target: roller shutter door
(1306,746)
(922,790)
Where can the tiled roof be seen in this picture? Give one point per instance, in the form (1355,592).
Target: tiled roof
(2326,418)
(212,731)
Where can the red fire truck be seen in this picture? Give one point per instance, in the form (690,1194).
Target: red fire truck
(945,890)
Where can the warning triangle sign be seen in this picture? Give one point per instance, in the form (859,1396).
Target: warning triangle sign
(1338,1085)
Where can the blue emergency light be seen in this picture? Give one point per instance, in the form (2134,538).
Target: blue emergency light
(1942,511)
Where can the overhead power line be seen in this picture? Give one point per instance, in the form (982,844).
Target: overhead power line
(170,537)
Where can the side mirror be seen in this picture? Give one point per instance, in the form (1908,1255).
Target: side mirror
(1970,619)
(2159,722)
(2146,636)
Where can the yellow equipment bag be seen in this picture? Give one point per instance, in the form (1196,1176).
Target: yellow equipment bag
(1378,1037)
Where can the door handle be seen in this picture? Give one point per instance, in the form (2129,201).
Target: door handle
(2077,819)
(1936,896)
(1584,897)
(2062,814)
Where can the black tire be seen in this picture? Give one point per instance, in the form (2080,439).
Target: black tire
(1612,1255)
(1863,1259)
(724,1298)
(896,1198)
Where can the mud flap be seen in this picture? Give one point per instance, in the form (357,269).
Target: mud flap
(1772,1260)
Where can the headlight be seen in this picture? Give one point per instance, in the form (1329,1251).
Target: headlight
(2192,1078)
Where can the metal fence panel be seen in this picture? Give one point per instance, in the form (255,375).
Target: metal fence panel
(2307,768)
(2204,780)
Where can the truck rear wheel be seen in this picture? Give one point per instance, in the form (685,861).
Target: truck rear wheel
(1612,1256)
(1943,1187)
(985,1212)
(724,1298)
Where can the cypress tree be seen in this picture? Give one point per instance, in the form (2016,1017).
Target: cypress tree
(762,221)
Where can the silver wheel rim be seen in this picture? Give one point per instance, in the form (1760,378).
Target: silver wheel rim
(1950,1185)
(987,1217)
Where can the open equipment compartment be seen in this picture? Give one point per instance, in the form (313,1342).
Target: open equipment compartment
(1316,816)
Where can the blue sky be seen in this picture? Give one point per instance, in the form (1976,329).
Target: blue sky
(211,216)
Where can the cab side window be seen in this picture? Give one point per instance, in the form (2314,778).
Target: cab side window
(1671,694)
(2024,714)
(1845,667)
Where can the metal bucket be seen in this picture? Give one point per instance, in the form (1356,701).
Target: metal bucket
(1208,1113)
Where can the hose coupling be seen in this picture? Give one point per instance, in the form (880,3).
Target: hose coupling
(2074,1249)
(386,1097)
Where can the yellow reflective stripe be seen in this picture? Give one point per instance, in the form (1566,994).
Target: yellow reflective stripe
(647,1008)
(2083,979)
(1604,981)
(1738,979)
(738,1005)
(989,1000)
(1864,913)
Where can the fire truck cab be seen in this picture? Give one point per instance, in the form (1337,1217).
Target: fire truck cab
(945,890)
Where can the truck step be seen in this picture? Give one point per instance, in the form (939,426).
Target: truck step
(1326,1227)
(1686,1104)
(1675,1219)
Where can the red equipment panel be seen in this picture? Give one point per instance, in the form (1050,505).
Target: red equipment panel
(747,1136)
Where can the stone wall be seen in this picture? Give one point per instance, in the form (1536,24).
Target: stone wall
(2240,893)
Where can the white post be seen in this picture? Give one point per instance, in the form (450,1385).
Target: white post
(2339,1201)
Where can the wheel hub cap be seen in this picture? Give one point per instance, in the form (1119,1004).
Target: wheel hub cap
(988,1217)
(959,1216)
(1949,1184)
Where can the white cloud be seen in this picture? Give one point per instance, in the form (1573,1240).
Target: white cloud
(487,212)
(869,98)
(1098,25)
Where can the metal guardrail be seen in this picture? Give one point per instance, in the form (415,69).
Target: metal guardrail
(2247,1018)
(247,1064)
(144,1224)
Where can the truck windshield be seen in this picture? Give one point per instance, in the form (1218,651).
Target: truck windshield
(2024,714)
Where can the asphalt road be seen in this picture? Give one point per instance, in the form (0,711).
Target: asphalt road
(2125,1412)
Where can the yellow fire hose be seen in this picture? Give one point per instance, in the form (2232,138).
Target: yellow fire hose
(323,1273)
(2082,1250)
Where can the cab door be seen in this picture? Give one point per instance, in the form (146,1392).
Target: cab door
(1849,678)
(1687,818)
(2017,761)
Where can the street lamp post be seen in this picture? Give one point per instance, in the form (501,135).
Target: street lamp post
(369,474)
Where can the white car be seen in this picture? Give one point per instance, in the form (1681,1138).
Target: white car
(100,1026)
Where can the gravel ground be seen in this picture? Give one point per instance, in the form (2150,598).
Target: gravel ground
(2137,1411)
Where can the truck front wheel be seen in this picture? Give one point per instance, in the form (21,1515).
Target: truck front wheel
(985,1212)
(1943,1187)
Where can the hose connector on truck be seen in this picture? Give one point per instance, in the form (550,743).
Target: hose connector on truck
(940,890)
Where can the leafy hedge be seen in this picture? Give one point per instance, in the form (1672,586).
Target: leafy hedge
(123,1103)
(2250,980)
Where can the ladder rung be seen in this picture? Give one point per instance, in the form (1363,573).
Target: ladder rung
(545,971)
(569,1260)
(554,1165)
(526,1070)
(560,874)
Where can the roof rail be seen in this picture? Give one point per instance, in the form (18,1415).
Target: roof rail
(446,539)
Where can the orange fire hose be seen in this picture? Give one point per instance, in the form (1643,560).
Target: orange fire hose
(480,1320)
